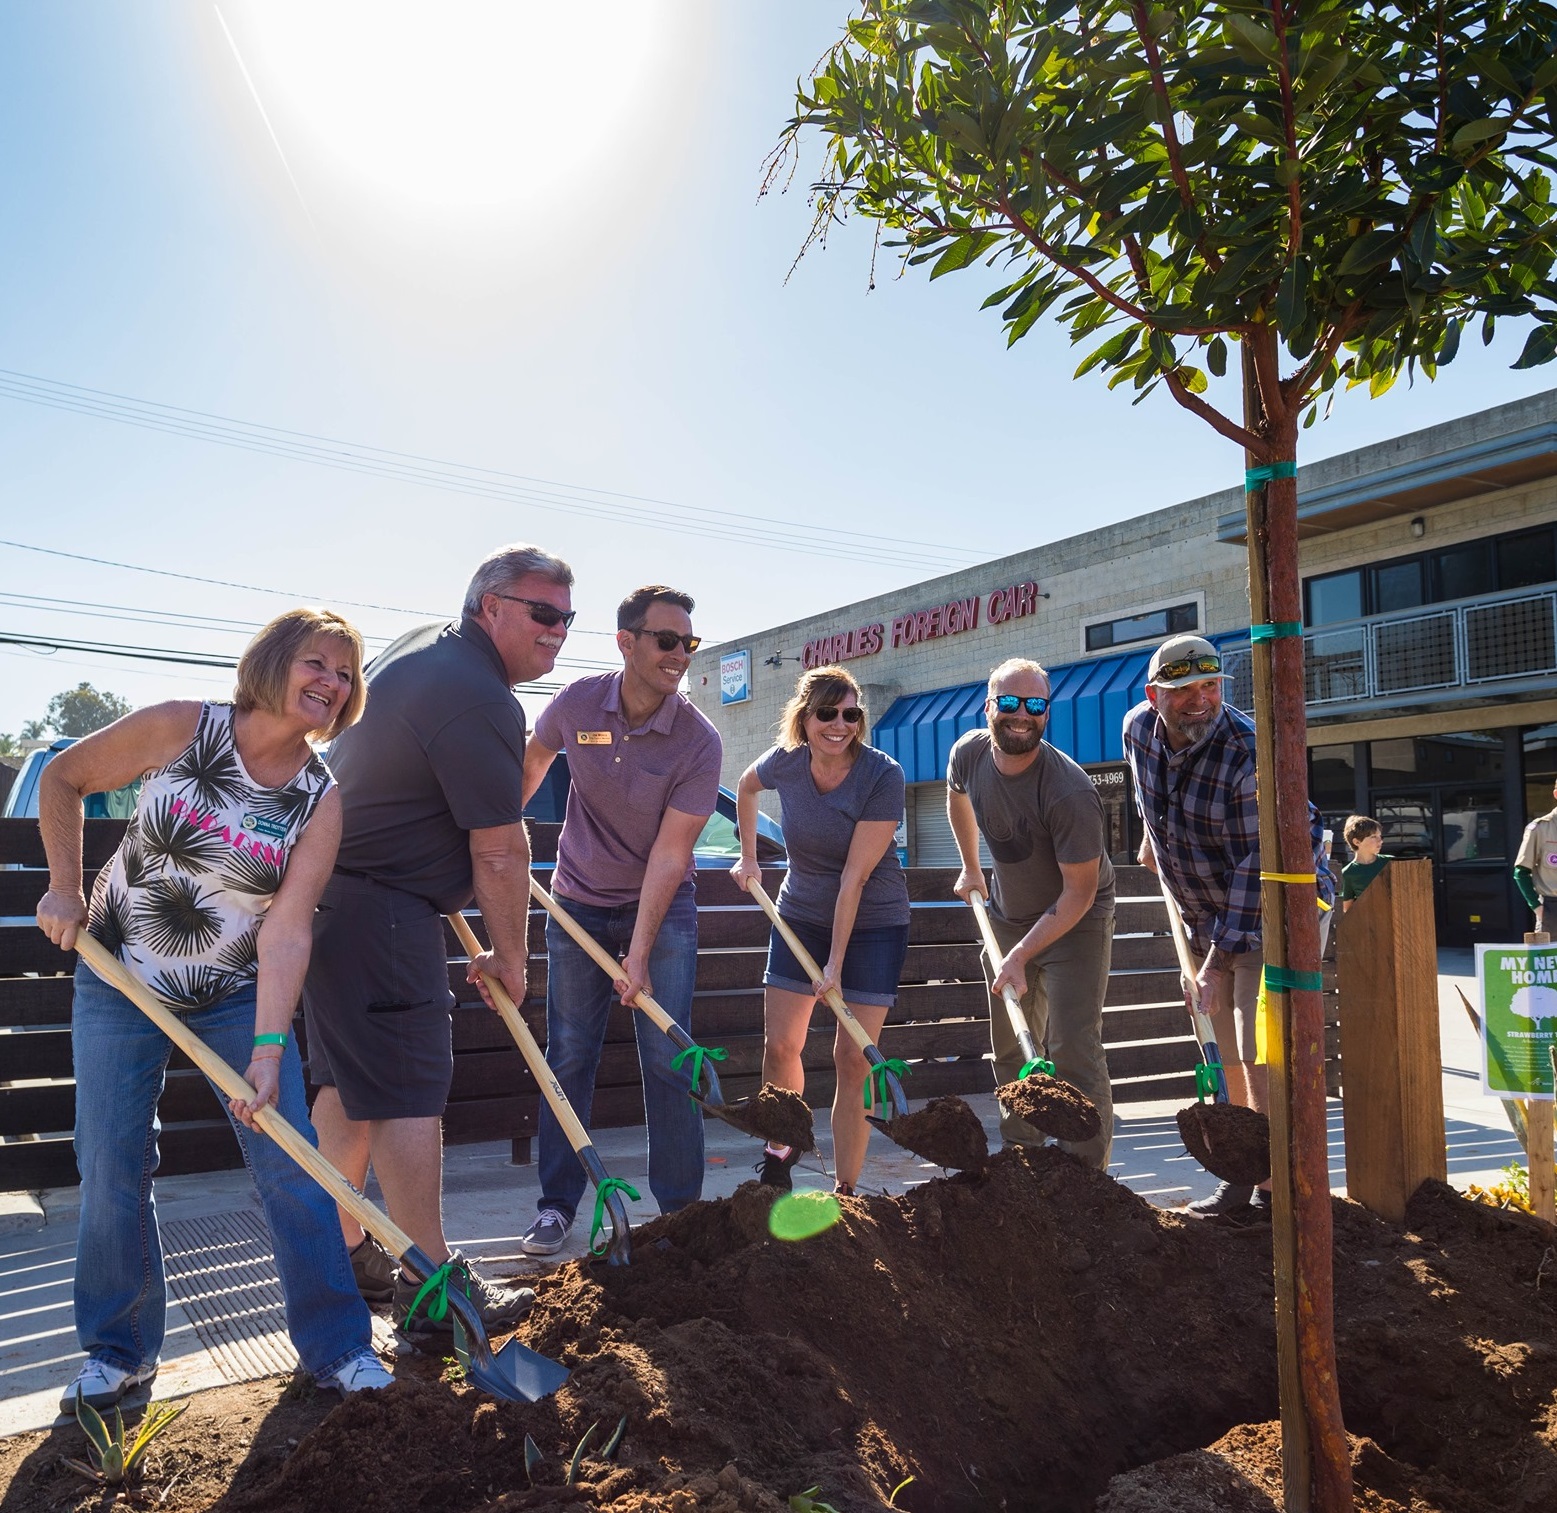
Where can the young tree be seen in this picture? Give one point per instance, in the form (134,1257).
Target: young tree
(80,710)
(1335,187)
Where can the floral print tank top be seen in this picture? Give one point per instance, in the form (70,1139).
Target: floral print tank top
(182,900)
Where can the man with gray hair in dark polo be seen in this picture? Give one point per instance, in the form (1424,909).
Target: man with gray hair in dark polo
(432,795)
(1053,904)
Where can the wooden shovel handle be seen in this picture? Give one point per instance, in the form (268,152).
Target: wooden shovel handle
(598,954)
(551,1089)
(996,955)
(113,972)
(856,1031)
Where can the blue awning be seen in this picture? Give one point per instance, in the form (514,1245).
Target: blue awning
(1088,703)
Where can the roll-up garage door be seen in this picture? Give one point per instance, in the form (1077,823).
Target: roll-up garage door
(930,839)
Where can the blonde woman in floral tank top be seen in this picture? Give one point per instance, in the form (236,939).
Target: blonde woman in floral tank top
(209,902)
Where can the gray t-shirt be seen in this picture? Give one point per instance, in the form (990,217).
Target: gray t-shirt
(438,752)
(819,828)
(1032,822)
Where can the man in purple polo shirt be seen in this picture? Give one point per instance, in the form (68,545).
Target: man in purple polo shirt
(644,765)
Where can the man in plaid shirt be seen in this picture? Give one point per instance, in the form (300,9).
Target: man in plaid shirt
(1192,757)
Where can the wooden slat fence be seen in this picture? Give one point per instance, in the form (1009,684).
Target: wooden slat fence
(940,1025)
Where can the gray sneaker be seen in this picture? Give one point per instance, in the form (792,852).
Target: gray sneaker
(102,1384)
(547,1235)
(373,1270)
(1229,1199)
(501,1307)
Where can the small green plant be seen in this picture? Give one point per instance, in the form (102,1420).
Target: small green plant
(808,1502)
(1513,1191)
(532,1458)
(454,1368)
(906,1482)
(113,1463)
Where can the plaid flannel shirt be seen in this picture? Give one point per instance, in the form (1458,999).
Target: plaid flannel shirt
(1201,813)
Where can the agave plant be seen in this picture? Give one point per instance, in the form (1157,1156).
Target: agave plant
(112,1461)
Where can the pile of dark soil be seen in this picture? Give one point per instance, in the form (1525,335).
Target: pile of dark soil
(1051,1106)
(777,1115)
(1231,1142)
(1010,1339)
(945,1131)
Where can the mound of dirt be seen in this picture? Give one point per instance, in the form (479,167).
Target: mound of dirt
(1012,1338)
(1231,1142)
(777,1115)
(945,1131)
(1050,1105)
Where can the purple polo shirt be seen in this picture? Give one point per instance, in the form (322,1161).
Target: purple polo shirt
(623,780)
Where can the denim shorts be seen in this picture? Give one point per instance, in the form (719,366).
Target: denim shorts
(871,966)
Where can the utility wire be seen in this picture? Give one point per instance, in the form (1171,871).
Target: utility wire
(489,483)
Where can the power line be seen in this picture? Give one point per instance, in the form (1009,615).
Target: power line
(136,653)
(492,483)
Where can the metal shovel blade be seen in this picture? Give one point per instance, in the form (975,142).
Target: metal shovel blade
(515,1372)
(731,1113)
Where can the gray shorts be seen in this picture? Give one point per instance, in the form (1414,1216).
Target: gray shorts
(376,1002)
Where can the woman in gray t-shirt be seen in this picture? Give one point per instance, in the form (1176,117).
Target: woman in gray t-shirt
(844,895)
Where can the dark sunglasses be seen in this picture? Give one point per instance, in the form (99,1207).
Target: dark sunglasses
(827,713)
(542,614)
(1009,703)
(668,640)
(1207,666)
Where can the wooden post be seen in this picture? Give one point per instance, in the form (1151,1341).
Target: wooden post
(1392,1069)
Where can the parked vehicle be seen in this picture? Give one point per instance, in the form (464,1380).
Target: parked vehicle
(21,803)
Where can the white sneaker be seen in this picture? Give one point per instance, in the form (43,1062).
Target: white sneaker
(102,1384)
(359,1373)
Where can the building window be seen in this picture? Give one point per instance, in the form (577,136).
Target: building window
(1519,559)
(1145,625)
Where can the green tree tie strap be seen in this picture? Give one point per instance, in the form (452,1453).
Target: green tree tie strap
(1285,980)
(698,1053)
(436,1290)
(602,1194)
(1037,1064)
(1253,478)
(1206,1083)
(877,1093)
(1277,631)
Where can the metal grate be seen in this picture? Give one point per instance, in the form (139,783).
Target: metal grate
(222,1271)
(1335,665)
(1510,639)
(1415,652)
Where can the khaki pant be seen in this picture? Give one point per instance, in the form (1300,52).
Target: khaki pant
(1063,1006)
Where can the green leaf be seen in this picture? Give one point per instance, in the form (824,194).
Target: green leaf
(1216,356)
(1477,131)
(1540,347)
(1451,342)
(1192,379)
(961,252)
(1368,251)
(1260,40)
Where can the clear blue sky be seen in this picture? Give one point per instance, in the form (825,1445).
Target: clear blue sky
(521,237)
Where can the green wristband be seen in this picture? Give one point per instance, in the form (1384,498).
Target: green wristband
(260,1040)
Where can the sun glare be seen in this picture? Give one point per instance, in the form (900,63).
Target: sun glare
(457,113)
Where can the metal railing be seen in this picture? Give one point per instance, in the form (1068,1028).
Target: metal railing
(1421,650)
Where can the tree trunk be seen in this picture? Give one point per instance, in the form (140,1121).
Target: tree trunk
(1316,1459)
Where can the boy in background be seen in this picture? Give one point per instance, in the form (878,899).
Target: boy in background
(1364,836)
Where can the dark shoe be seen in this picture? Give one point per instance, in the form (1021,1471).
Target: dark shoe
(843,1190)
(774,1171)
(500,1307)
(547,1235)
(373,1270)
(1227,1200)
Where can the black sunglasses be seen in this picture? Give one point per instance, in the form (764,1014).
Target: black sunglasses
(1009,703)
(668,640)
(827,713)
(1207,666)
(542,614)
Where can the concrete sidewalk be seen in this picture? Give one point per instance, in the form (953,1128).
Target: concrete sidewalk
(224,1316)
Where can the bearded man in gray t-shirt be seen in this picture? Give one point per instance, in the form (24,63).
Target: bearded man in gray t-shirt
(1053,903)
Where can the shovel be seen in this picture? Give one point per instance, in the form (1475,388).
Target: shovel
(702,1057)
(1250,1129)
(514,1373)
(882,1085)
(608,1189)
(1031,1061)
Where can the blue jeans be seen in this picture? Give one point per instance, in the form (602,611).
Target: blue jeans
(579,997)
(120,1288)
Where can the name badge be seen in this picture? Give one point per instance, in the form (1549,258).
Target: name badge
(594,738)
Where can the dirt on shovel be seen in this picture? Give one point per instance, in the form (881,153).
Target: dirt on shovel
(1050,1105)
(1230,1141)
(775,1114)
(946,1132)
